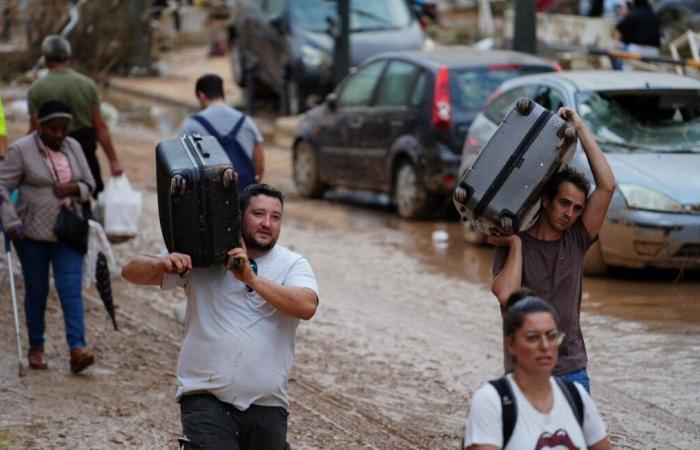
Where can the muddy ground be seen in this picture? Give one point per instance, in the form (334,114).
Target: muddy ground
(404,335)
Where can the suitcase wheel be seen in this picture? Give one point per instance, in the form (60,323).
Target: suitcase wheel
(568,138)
(505,223)
(460,195)
(178,185)
(229,178)
(524,106)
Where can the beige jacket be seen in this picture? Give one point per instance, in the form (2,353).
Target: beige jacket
(27,166)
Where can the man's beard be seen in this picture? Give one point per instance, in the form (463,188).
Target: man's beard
(253,244)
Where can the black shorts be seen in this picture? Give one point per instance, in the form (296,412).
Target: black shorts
(208,423)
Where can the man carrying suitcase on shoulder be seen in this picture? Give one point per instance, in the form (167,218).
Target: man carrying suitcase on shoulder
(548,257)
(235,131)
(241,323)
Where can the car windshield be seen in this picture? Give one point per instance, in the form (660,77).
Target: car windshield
(646,121)
(365,15)
(471,88)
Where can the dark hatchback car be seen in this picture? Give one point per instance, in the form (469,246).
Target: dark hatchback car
(286,44)
(396,125)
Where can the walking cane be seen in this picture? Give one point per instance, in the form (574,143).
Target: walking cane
(8,252)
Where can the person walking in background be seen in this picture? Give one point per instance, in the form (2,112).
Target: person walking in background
(548,257)
(236,132)
(240,327)
(3,132)
(50,171)
(80,94)
(530,409)
(638,32)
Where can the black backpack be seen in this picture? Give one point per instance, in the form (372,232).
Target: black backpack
(242,163)
(509,412)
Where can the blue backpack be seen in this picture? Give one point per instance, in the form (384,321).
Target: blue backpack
(242,163)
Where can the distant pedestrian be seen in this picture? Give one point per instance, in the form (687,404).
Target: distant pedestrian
(80,94)
(50,171)
(236,132)
(638,32)
(240,327)
(3,132)
(548,257)
(530,409)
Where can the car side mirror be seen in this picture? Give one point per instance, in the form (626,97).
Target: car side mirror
(332,101)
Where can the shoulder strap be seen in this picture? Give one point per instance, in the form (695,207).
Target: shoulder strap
(573,396)
(236,128)
(509,412)
(207,126)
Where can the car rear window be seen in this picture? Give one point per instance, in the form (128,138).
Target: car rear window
(643,121)
(365,15)
(471,87)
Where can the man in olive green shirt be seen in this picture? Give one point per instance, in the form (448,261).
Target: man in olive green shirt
(80,94)
(3,132)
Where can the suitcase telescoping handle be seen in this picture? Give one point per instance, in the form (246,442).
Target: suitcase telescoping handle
(198,144)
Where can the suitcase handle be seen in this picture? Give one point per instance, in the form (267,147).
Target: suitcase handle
(198,144)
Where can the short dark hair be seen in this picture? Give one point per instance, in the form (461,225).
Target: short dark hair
(522,303)
(211,85)
(55,49)
(551,189)
(254,190)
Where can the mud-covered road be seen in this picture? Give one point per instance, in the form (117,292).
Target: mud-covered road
(405,333)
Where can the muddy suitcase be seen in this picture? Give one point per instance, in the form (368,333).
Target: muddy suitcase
(497,194)
(197,198)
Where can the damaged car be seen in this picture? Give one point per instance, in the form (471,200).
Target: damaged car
(648,126)
(396,125)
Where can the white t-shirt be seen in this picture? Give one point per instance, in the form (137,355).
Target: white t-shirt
(533,430)
(237,346)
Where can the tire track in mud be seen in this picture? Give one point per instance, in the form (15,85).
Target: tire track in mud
(362,428)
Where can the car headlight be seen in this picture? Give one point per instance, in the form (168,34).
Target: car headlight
(312,57)
(640,197)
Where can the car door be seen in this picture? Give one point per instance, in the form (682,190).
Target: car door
(391,115)
(339,132)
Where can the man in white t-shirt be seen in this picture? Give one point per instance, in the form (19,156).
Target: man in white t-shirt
(240,327)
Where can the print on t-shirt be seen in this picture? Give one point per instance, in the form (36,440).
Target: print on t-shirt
(560,440)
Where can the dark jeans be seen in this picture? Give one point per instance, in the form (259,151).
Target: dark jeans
(208,423)
(67,267)
(87,137)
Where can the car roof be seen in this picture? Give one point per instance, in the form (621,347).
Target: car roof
(465,57)
(610,80)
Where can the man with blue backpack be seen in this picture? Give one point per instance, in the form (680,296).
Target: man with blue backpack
(236,132)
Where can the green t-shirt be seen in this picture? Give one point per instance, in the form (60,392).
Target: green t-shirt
(72,88)
(3,128)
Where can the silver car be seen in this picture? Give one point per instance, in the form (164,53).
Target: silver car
(648,125)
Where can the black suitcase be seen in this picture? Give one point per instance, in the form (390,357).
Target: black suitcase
(197,198)
(500,191)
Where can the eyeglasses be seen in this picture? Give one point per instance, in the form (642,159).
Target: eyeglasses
(552,337)
(254,266)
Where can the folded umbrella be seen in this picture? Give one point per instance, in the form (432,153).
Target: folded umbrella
(104,286)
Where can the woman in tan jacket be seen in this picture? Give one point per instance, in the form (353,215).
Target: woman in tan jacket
(50,171)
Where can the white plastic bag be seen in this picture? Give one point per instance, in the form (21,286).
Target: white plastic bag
(121,206)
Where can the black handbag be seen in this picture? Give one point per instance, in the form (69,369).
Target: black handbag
(72,229)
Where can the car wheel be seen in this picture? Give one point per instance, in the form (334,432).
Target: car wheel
(594,264)
(291,101)
(472,235)
(411,197)
(238,67)
(305,171)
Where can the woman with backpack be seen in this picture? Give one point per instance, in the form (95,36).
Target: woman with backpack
(529,408)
